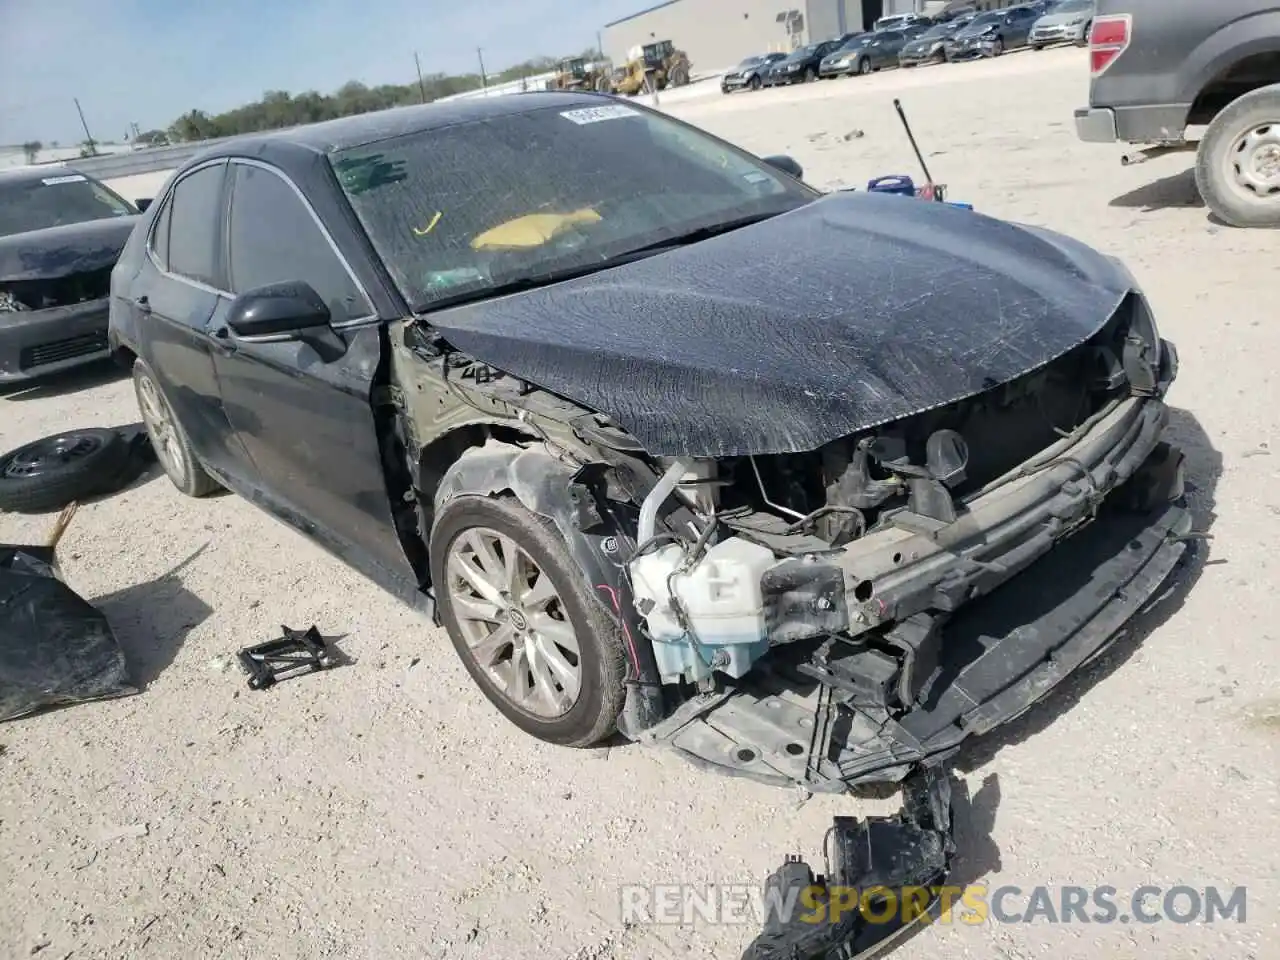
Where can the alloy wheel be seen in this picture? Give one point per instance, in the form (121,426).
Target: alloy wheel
(514,623)
(160,425)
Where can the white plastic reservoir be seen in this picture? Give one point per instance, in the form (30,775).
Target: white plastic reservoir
(722,601)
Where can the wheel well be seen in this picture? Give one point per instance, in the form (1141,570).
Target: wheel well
(123,356)
(435,459)
(1256,70)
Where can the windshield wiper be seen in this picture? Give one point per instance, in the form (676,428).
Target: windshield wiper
(702,233)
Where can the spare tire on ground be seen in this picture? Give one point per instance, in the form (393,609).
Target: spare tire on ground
(52,472)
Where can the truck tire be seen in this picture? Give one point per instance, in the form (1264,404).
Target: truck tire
(50,473)
(1238,161)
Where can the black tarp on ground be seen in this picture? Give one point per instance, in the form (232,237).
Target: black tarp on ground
(55,647)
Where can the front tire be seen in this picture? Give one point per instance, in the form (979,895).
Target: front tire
(864,67)
(168,438)
(1084,35)
(810,75)
(1238,161)
(755,83)
(522,618)
(997,48)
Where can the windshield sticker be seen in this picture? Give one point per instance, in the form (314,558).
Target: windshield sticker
(596,114)
(69,178)
(755,177)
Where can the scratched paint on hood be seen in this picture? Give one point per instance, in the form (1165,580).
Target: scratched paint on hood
(852,311)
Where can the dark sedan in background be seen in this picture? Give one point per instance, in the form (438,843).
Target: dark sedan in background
(991,34)
(931,46)
(802,65)
(870,51)
(750,73)
(60,234)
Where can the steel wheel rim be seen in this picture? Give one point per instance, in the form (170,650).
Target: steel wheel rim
(1253,162)
(48,454)
(159,421)
(513,622)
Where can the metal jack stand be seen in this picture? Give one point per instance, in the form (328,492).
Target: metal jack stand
(294,653)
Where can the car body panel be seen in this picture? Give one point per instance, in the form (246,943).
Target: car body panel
(1176,48)
(834,351)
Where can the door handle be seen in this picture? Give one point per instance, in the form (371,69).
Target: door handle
(143,303)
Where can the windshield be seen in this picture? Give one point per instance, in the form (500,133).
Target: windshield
(937,31)
(54,201)
(750,62)
(1071,6)
(858,41)
(478,205)
(804,52)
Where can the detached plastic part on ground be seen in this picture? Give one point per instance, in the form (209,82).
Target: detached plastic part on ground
(55,647)
(881,879)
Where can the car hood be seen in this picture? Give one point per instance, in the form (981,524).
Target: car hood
(970,32)
(62,251)
(924,42)
(849,312)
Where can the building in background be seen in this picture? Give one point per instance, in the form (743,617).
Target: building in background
(716,34)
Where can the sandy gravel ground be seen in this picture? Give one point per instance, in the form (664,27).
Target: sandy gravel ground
(385,810)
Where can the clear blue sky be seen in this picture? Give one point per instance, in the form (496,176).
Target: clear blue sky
(151,60)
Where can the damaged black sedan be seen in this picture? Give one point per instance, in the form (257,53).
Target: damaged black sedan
(520,361)
(60,235)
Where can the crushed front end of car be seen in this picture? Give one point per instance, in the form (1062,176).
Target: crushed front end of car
(848,537)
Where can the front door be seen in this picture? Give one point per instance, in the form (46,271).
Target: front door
(308,425)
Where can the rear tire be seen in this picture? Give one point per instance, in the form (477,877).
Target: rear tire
(601,664)
(1238,161)
(168,438)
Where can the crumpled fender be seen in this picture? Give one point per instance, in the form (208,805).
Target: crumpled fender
(600,534)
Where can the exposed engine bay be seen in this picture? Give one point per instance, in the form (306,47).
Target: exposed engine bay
(713,600)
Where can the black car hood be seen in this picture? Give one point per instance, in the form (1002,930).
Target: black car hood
(62,251)
(851,311)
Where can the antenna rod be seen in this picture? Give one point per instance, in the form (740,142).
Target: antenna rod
(897,105)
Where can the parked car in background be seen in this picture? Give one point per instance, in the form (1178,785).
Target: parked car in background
(750,73)
(60,235)
(896,21)
(801,65)
(846,59)
(1160,66)
(1065,22)
(991,34)
(931,45)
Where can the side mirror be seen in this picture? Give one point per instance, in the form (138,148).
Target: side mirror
(786,165)
(142,204)
(285,311)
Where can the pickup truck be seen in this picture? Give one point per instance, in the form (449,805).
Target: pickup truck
(1158,67)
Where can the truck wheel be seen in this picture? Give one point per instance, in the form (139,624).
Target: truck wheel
(524,621)
(1238,161)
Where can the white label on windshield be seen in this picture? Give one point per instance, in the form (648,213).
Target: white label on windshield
(596,114)
(69,178)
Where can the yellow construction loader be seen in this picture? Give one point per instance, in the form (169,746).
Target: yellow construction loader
(576,74)
(654,66)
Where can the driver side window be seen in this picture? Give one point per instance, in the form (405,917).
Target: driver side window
(272,237)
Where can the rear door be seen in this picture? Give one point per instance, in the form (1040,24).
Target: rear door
(178,295)
(308,425)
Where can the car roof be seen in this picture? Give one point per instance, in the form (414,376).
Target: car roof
(32,174)
(366,128)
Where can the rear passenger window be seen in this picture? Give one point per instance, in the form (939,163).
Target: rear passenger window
(193,225)
(273,238)
(160,235)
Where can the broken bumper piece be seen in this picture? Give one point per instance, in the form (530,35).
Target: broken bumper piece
(883,878)
(816,713)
